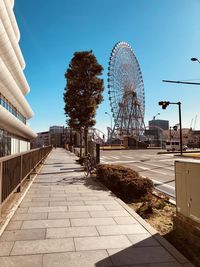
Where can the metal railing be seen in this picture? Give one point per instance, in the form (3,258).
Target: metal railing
(16,168)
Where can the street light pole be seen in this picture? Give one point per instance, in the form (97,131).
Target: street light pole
(180,123)
(110,125)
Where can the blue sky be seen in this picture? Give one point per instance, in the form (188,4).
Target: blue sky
(164,35)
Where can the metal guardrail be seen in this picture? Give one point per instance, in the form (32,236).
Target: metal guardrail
(16,168)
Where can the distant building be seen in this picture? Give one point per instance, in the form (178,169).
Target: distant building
(56,135)
(15,134)
(155,134)
(172,134)
(41,140)
(56,129)
(163,124)
(194,139)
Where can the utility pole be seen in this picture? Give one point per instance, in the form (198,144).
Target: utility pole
(164,105)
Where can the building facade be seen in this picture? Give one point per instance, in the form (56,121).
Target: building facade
(42,139)
(155,133)
(56,137)
(15,134)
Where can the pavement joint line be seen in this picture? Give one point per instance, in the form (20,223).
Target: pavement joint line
(14,208)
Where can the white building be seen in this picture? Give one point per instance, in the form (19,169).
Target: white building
(15,135)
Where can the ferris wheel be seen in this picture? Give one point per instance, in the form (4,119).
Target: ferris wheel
(126,91)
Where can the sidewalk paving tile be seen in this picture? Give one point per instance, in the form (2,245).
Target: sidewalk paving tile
(36,199)
(110,213)
(42,246)
(121,229)
(86,208)
(14,225)
(21,210)
(113,207)
(71,232)
(65,203)
(142,240)
(33,234)
(46,209)
(125,220)
(165,264)
(45,224)
(139,255)
(35,204)
(92,221)
(102,242)
(78,259)
(5,248)
(21,261)
(30,216)
(68,214)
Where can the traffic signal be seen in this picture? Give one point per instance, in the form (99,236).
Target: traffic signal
(175,127)
(164,104)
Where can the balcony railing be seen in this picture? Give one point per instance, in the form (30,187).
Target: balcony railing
(16,168)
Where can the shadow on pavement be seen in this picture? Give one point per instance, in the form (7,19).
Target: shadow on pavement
(146,250)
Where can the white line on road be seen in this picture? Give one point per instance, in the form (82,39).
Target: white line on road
(114,157)
(104,157)
(163,184)
(158,166)
(144,168)
(128,157)
(116,162)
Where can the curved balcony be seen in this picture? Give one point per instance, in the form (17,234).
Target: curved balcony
(10,32)
(9,57)
(12,3)
(12,18)
(10,123)
(10,90)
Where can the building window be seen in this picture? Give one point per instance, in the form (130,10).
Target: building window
(7,105)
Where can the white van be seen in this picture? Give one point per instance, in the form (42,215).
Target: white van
(172,145)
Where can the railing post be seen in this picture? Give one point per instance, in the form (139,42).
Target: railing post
(1,178)
(97,153)
(21,172)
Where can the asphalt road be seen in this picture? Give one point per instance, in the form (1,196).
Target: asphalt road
(158,167)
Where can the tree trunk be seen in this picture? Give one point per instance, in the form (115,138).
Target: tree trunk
(86,140)
(70,140)
(81,143)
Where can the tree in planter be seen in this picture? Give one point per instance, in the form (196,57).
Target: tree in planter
(83,93)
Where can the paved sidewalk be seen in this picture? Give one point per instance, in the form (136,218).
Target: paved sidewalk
(65,220)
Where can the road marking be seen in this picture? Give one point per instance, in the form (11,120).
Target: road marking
(170,168)
(114,157)
(161,183)
(104,157)
(116,162)
(144,168)
(128,157)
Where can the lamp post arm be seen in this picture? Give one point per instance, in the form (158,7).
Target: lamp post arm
(168,81)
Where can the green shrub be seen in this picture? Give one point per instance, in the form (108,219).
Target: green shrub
(124,182)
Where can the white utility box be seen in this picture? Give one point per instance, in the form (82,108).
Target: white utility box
(187,178)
